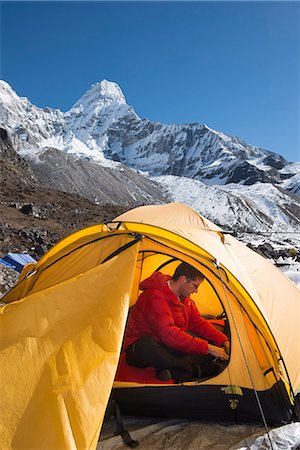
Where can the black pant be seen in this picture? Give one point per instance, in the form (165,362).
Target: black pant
(146,352)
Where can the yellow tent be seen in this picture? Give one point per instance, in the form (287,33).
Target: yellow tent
(63,323)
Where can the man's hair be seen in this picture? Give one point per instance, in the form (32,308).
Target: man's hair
(188,271)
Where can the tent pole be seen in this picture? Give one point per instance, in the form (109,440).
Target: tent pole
(244,354)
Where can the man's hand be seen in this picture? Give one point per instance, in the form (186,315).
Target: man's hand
(218,352)
(226,346)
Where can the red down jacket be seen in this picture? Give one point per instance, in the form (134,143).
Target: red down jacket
(160,314)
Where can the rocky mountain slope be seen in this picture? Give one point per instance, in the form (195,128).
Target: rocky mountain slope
(260,207)
(118,185)
(16,173)
(265,217)
(34,217)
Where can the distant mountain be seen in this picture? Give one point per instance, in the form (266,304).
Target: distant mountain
(102,150)
(102,127)
(64,156)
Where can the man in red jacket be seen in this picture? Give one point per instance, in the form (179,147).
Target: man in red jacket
(166,331)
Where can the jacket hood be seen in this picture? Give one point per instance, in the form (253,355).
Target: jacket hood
(156,281)
(159,281)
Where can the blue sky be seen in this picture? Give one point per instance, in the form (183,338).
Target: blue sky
(232,65)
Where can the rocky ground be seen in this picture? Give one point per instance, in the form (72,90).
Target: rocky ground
(33,220)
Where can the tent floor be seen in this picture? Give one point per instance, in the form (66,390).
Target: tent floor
(135,374)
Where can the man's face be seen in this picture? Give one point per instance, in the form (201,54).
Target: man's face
(189,286)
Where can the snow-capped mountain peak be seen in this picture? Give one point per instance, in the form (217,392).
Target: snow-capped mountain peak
(87,123)
(101,95)
(6,92)
(81,131)
(10,99)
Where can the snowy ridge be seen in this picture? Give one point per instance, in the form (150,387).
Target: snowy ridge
(292,184)
(195,151)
